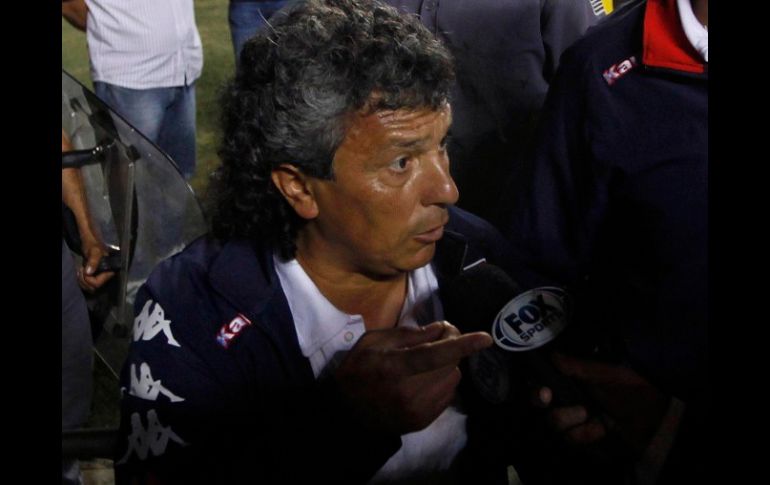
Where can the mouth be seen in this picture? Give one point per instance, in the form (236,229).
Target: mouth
(431,235)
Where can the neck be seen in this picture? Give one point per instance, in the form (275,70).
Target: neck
(378,300)
(701,10)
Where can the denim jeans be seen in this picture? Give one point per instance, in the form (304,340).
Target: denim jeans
(164,115)
(76,343)
(76,359)
(246,18)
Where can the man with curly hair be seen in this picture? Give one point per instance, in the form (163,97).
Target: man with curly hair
(303,340)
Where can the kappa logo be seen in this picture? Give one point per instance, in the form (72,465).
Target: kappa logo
(230,331)
(144,386)
(616,71)
(153,439)
(150,322)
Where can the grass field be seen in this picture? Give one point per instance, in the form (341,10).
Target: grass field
(218,65)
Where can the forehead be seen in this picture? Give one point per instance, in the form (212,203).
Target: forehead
(396,128)
(402,121)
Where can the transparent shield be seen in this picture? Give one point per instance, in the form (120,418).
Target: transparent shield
(138,198)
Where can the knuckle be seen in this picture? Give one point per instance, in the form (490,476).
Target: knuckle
(454,377)
(451,329)
(403,399)
(386,366)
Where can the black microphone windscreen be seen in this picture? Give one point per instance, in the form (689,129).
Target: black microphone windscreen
(473,298)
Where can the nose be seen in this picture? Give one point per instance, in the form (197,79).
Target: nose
(440,188)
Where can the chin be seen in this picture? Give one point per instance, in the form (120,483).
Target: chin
(403,264)
(422,257)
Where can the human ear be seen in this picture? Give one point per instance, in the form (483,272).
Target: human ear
(294,186)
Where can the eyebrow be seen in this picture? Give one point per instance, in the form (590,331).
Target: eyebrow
(418,141)
(411,143)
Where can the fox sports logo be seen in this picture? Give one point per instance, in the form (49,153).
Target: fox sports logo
(532,319)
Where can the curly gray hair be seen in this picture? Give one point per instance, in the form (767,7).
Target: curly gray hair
(318,61)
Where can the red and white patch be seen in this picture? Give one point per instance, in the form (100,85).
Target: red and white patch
(619,70)
(231,330)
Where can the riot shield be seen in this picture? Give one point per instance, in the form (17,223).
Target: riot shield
(140,202)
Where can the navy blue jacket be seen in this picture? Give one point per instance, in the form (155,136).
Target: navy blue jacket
(614,205)
(252,411)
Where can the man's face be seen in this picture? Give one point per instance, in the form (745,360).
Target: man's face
(387,205)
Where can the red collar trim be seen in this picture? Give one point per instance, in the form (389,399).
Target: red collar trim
(665,44)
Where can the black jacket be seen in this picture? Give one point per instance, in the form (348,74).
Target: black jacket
(615,203)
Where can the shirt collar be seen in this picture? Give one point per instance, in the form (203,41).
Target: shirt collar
(696,33)
(318,321)
(665,43)
(315,318)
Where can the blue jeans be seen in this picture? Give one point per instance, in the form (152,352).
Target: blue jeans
(164,115)
(246,18)
(76,359)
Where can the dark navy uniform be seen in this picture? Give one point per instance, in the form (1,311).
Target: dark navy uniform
(614,205)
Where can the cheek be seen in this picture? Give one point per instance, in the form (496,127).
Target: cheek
(394,210)
(376,216)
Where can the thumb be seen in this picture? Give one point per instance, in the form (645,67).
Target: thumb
(94,256)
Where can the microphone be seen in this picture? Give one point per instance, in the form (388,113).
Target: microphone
(525,325)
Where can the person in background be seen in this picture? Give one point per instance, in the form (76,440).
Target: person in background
(615,207)
(506,53)
(75,12)
(145,58)
(246,17)
(76,338)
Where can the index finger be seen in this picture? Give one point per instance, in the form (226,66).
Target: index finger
(440,353)
(406,337)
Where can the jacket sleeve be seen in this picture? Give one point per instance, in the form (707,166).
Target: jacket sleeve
(191,412)
(559,198)
(170,403)
(562,205)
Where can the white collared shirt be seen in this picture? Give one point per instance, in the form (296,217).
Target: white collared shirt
(326,334)
(143,44)
(696,32)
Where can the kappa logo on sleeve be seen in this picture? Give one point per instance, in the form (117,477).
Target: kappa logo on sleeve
(616,71)
(150,322)
(144,386)
(153,439)
(230,331)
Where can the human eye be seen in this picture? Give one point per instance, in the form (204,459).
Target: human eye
(400,165)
